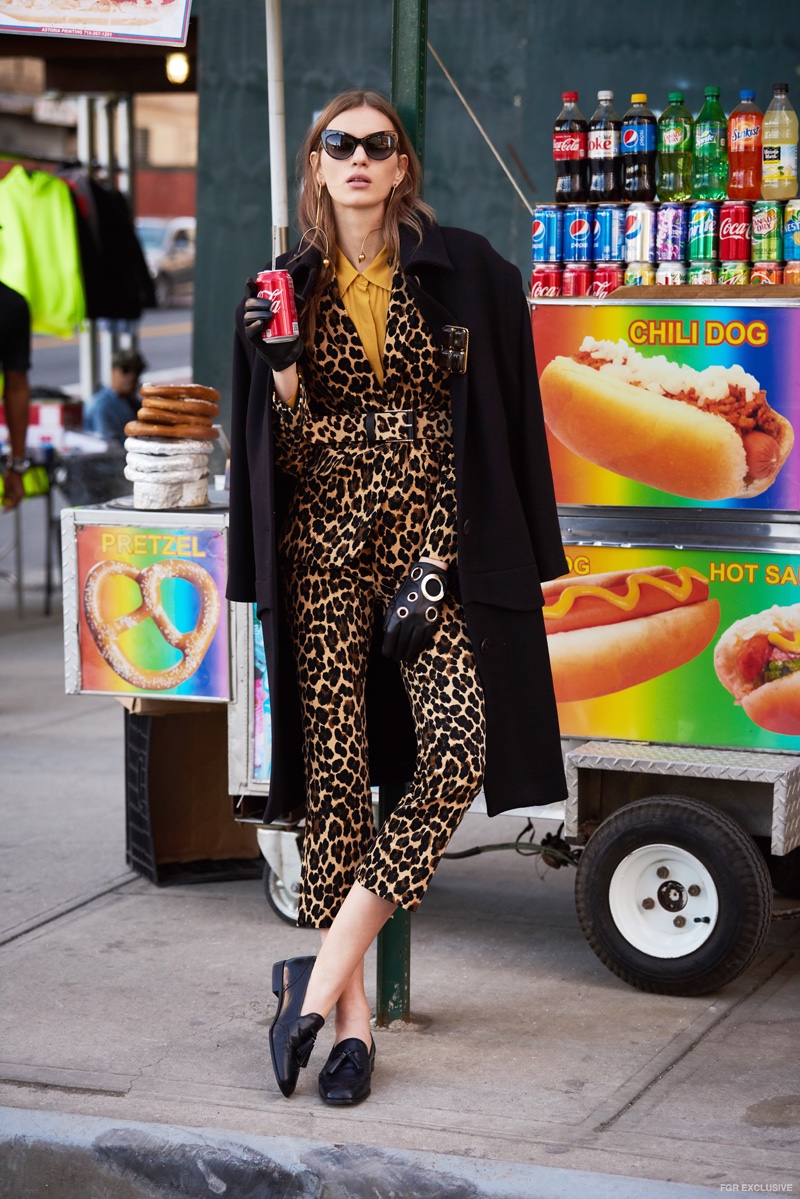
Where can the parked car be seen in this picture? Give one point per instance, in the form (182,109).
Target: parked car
(169,248)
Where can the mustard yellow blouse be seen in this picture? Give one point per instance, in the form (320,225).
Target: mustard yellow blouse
(365,295)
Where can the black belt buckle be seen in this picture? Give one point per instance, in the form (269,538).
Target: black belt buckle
(454,349)
(411,421)
(369,427)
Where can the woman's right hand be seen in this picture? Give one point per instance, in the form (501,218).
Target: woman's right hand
(258,315)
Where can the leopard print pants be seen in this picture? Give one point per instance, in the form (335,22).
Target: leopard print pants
(331,613)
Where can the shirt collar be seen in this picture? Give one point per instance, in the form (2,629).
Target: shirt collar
(379,272)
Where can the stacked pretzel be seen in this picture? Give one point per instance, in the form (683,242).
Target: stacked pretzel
(168,446)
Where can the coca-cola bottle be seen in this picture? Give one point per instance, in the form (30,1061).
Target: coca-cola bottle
(569,151)
(605,161)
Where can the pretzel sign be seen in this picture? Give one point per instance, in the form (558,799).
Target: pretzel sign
(192,645)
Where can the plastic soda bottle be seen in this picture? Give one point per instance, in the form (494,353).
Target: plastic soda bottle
(675,150)
(744,148)
(639,150)
(779,147)
(569,151)
(710,162)
(605,162)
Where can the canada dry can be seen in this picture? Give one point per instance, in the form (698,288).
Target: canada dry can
(640,232)
(767,243)
(577,279)
(672,226)
(671,273)
(578,229)
(608,276)
(791,231)
(702,272)
(766,272)
(278,287)
(791,272)
(546,280)
(609,233)
(547,232)
(734,272)
(735,226)
(703,231)
(640,274)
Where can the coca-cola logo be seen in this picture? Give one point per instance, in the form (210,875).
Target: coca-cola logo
(603,143)
(544,289)
(569,145)
(275,296)
(736,229)
(764,222)
(601,289)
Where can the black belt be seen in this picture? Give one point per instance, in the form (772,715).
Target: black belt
(394,424)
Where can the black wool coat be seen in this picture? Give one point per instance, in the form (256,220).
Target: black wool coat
(508,533)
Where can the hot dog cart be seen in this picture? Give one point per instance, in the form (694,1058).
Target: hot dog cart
(687,808)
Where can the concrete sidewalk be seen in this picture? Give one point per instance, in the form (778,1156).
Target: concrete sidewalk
(134,1018)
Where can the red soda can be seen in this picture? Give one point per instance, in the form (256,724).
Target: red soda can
(278,287)
(791,272)
(546,280)
(735,231)
(767,272)
(608,276)
(577,280)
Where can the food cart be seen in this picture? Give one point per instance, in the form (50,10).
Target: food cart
(685,796)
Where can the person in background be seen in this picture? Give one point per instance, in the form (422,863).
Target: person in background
(15,360)
(112,407)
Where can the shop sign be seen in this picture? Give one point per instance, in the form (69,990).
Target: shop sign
(150,22)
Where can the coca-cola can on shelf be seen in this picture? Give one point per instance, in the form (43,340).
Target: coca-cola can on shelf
(547,232)
(546,280)
(640,232)
(767,272)
(577,280)
(608,276)
(735,231)
(670,273)
(672,231)
(734,272)
(278,287)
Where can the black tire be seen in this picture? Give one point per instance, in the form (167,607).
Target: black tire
(282,901)
(724,851)
(162,286)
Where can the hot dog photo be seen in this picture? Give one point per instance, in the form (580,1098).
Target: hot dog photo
(757,659)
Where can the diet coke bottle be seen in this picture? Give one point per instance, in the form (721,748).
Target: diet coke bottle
(570,136)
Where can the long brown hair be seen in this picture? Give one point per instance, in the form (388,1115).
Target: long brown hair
(315,210)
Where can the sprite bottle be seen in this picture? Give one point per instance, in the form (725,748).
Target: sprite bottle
(675,150)
(710,162)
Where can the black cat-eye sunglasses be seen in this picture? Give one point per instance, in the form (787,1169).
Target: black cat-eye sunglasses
(342,145)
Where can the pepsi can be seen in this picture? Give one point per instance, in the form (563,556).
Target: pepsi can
(547,232)
(672,227)
(578,226)
(608,242)
(640,232)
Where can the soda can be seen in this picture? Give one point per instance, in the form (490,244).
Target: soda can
(767,239)
(547,232)
(670,273)
(735,231)
(546,280)
(672,227)
(577,279)
(766,272)
(578,229)
(608,276)
(702,272)
(703,231)
(640,232)
(609,233)
(640,274)
(791,231)
(278,287)
(734,272)
(791,272)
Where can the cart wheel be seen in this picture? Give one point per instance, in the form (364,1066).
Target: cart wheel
(673,896)
(283,902)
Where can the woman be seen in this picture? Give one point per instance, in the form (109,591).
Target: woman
(390,488)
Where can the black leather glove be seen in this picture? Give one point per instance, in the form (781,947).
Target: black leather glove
(257,316)
(414,613)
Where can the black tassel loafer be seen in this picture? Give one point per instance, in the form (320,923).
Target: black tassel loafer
(292,1036)
(346,1076)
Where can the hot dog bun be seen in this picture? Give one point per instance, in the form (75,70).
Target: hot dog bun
(605,648)
(773,705)
(654,439)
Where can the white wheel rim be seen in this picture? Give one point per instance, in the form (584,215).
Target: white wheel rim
(282,897)
(663,901)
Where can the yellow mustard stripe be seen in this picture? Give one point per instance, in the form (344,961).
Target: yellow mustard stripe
(628,601)
(780,642)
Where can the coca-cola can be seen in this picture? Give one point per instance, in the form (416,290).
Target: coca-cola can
(577,279)
(671,273)
(546,280)
(791,272)
(734,272)
(767,272)
(278,287)
(735,231)
(672,231)
(608,276)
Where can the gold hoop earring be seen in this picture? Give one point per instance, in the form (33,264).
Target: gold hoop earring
(317,228)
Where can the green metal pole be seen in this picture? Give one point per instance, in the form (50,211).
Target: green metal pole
(409,62)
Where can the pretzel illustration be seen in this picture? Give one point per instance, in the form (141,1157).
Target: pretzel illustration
(192,645)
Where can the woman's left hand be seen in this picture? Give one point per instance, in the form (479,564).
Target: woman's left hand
(258,316)
(414,613)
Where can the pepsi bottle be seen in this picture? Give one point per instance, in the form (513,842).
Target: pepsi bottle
(605,162)
(639,150)
(569,151)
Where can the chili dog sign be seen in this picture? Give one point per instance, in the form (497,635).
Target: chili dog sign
(691,646)
(678,406)
(151,611)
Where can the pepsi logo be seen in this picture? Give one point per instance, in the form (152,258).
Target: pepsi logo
(633,226)
(579,229)
(537,232)
(630,137)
